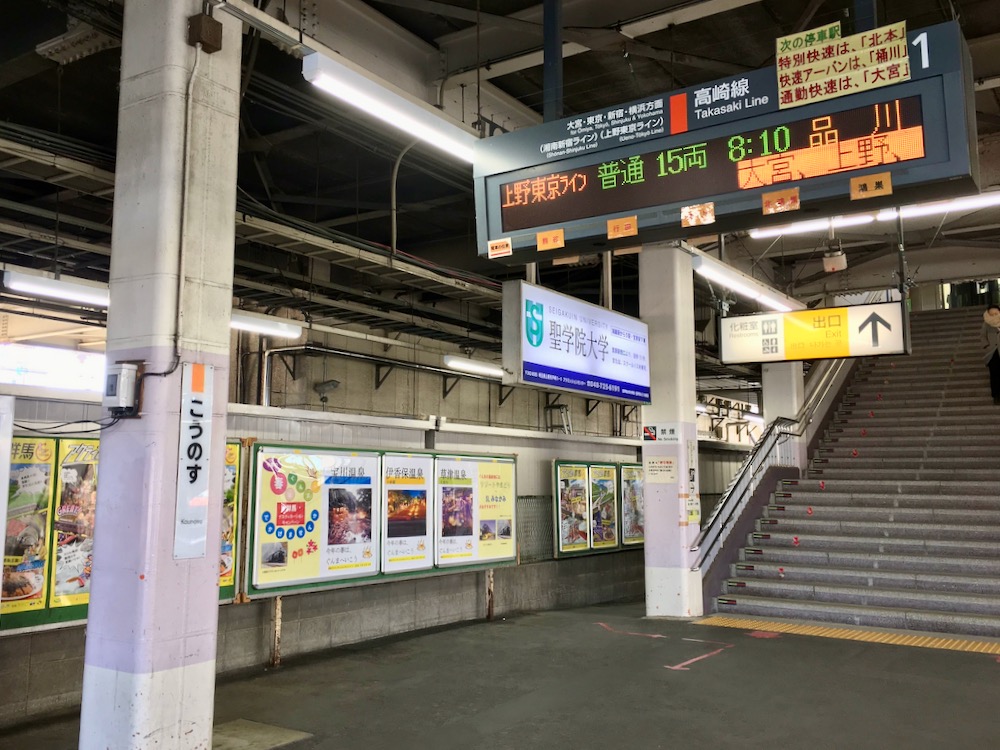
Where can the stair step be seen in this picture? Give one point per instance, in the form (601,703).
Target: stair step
(902,465)
(892,545)
(958,565)
(928,421)
(914,431)
(833,496)
(892,487)
(900,530)
(937,601)
(886,617)
(929,413)
(922,442)
(865,447)
(879,578)
(938,474)
(822,511)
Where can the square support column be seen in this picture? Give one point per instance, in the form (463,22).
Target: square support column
(672,498)
(149,669)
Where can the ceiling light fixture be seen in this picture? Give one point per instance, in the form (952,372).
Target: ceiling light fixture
(473,366)
(743,285)
(46,285)
(753,418)
(394,106)
(265,325)
(813,226)
(968,203)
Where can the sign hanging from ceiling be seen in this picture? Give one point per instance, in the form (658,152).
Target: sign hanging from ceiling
(562,343)
(816,65)
(729,142)
(823,333)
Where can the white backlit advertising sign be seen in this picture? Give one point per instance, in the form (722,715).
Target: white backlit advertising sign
(561,343)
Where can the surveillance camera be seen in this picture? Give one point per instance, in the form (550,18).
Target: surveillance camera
(324,387)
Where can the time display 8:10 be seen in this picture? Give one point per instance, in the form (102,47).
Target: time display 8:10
(885,133)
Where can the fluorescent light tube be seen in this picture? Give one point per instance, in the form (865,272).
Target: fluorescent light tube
(396,108)
(968,203)
(473,366)
(44,285)
(753,418)
(701,409)
(812,226)
(742,284)
(265,325)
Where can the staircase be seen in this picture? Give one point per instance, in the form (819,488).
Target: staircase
(897,523)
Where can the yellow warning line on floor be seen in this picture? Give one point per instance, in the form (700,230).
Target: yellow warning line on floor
(849,634)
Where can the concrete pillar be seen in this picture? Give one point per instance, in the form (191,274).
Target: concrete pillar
(929,296)
(149,673)
(673,516)
(783,389)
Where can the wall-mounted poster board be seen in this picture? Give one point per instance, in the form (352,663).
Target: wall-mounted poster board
(407,512)
(316,515)
(603,506)
(26,554)
(572,507)
(475,513)
(73,525)
(230,522)
(633,510)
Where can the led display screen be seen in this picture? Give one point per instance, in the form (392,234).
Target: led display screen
(889,132)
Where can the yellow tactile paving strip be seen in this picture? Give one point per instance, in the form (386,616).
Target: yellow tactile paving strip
(916,640)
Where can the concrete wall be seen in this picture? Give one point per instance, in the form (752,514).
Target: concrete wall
(42,672)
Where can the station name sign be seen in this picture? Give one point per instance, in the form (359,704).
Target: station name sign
(823,333)
(558,342)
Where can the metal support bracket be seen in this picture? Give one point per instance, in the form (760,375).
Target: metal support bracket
(448,383)
(283,358)
(592,403)
(630,413)
(505,393)
(381,373)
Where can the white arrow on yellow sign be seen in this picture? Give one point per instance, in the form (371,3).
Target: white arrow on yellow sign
(823,333)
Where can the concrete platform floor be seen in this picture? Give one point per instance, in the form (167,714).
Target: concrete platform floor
(604,677)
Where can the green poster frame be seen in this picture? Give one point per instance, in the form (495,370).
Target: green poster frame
(254,592)
(621,505)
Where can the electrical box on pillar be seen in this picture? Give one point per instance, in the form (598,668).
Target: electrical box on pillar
(205,30)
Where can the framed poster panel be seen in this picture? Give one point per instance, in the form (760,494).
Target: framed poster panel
(604,506)
(407,512)
(572,507)
(73,525)
(26,555)
(315,515)
(633,510)
(475,510)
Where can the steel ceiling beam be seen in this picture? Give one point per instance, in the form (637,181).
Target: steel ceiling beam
(500,52)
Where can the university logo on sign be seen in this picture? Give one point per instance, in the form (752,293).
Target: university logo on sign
(534,327)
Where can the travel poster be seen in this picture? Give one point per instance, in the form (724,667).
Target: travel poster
(603,506)
(230,515)
(314,519)
(475,518)
(408,493)
(26,557)
(73,525)
(573,507)
(633,521)
(496,501)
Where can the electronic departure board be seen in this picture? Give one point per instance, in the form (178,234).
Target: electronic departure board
(874,135)
(728,143)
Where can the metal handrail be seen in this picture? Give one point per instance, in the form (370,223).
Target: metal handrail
(738,493)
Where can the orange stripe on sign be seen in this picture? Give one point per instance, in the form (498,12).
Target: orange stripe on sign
(197,378)
(678,113)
